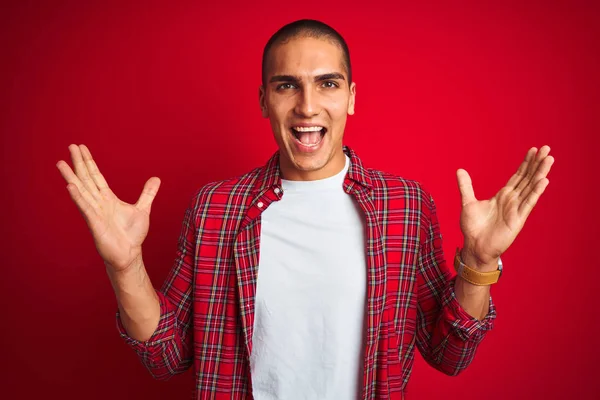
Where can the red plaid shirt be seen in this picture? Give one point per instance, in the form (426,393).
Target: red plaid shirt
(207,301)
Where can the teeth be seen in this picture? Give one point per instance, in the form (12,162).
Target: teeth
(310,145)
(307,128)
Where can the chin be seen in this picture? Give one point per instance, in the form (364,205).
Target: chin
(309,165)
(310,162)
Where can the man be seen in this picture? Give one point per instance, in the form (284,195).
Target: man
(311,277)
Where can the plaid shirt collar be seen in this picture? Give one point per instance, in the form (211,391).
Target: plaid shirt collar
(270,176)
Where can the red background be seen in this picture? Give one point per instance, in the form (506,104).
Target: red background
(172,91)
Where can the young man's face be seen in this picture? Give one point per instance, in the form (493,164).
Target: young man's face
(307,98)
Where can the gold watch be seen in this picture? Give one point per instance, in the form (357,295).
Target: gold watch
(476,277)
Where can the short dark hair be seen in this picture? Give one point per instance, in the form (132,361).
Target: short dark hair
(307,28)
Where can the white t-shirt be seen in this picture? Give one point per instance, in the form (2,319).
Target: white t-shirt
(309,325)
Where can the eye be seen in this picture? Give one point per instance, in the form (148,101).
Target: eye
(330,84)
(285,86)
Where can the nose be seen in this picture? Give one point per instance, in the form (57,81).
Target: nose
(308,103)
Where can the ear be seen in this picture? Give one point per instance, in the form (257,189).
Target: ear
(263,102)
(352,98)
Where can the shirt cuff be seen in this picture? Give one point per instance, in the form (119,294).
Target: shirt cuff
(165,330)
(466,326)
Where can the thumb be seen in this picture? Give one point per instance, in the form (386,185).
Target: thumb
(148,194)
(467,195)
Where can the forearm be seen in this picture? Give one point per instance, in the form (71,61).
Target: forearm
(474,299)
(449,335)
(139,306)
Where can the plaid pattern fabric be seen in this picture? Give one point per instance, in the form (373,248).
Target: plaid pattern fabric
(207,301)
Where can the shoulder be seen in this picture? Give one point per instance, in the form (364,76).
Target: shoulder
(403,199)
(388,184)
(233,191)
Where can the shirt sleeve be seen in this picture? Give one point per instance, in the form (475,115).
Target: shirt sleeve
(169,350)
(447,336)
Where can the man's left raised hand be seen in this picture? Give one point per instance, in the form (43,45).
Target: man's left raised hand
(490,226)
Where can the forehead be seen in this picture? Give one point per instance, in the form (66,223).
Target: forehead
(305,56)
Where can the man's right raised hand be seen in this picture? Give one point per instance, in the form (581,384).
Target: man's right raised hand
(118,228)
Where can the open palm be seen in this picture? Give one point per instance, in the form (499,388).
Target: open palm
(118,228)
(490,226)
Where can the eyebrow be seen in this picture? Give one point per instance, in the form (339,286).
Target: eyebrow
(296,79)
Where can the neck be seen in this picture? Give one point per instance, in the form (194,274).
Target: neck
(332,167)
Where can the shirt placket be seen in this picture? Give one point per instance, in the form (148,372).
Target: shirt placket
(246,252)
(376,278)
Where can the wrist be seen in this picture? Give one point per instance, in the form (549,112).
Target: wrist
(132,268)
(473,260)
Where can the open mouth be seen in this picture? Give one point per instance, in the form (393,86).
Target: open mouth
(309,136)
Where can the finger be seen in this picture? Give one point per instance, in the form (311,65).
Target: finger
(541,173)
(70,177)
(84,206)
(92,168)
(82,172)
(522,171)
(531,200)
(148,194)
(465,186)
(532,168)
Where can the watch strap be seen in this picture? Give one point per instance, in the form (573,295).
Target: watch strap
(476,277)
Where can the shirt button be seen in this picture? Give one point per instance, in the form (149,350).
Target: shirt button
(277,190)
(260,204)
